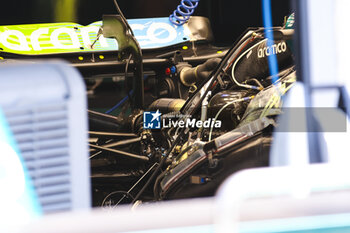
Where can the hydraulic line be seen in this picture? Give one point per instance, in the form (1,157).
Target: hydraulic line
(123,17)
(234,66)
(115,107)
(204,113)
(211,86)
(225,106)
(128,97)
(187,149)
(128,92)
(177,140)
(114,27)
(239,49)
(257,82)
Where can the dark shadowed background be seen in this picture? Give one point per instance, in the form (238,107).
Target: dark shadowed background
(229,18)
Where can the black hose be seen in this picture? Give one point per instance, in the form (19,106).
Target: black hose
(149,180)
(104,122)
(216,73)
(211,85)
(164,158)
(191,76)
(125,80)
(155,187)
(123,17)
(177,140)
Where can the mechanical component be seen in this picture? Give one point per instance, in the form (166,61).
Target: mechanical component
(190,76)
(167,105)
(114,27)
(258,54)
(166,88)
(189,162)
(232,114)
(103,122)
(119,152)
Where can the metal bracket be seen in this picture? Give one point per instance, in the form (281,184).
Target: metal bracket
(114,27)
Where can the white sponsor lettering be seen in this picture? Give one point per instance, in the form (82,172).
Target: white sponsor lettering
(273,49)
(34,38)
(23,44)
(154,31)
(57,43)
(139,27)
(150,33)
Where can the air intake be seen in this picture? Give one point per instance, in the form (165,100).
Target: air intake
(45,106)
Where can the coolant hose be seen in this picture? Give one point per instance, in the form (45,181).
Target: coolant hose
(190,76)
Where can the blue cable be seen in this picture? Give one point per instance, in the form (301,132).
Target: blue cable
(120,103)
(115,107)
(267,20)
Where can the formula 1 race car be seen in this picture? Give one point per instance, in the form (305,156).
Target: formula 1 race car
(189,114)
(186,146)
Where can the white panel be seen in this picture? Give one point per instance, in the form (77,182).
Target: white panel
(342,39)
(323,57)
(45,106)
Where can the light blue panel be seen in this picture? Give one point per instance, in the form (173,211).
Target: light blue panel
(17,196)
(190,229)
(152,33)
(338,223)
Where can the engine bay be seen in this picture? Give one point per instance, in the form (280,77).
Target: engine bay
(188,113)
(219,121)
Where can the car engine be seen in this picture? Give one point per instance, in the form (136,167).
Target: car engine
(220,122)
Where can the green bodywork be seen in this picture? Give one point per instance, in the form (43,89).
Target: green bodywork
(290,22)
